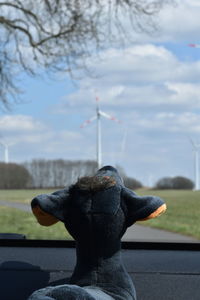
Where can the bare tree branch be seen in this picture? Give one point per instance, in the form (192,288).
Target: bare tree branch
(61,34)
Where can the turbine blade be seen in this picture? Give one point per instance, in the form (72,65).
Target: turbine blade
(103,114)
(97,99)
(191,141)
(194,45)
(195,145)
(88,121)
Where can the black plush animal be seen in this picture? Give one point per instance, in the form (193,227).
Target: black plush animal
(96,211)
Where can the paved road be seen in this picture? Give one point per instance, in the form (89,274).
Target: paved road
(133,233)
(143,233)
(21,206)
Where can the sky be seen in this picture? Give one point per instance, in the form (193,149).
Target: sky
(152,86)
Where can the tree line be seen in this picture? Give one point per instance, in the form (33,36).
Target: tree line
(176,183)
(59,173)
(42,173)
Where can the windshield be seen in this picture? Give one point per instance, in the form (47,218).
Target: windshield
(133,103)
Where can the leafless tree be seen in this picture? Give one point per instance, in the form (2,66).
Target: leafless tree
(58,173)
(59,35)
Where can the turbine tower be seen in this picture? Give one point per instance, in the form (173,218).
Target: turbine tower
(99,114)
(6,154)
(196,147)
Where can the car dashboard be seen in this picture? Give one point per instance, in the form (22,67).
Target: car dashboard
(160,271)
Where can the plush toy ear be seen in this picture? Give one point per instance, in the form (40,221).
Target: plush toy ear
(49,208)
(141,208)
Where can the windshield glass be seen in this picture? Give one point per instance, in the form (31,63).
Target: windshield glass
(125,95)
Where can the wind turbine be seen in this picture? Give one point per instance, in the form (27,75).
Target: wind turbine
(6,154)
(196,147)
(99,114)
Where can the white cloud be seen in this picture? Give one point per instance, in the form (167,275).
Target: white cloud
(140,77)
(185,94)
(180,22)
(168,122)
(141,63)
(31,138)
(20,123)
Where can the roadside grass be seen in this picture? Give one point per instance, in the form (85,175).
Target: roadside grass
(15,221)
(182,215)
(23,196)
(183,211)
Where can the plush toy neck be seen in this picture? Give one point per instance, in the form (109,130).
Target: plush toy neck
(107,272)
(100,264)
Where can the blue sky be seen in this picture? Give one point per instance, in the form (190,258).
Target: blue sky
(152,86)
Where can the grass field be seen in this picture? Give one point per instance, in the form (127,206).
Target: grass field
(183,212)
(16,221)
(182,216)
(22,196)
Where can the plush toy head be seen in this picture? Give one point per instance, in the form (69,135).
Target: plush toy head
(103,193)
(97,211)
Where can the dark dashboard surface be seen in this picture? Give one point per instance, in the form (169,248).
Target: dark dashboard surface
(160,271)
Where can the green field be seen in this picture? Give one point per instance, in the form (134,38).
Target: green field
(16,221)
(22,196)
(182,216)
(183,212)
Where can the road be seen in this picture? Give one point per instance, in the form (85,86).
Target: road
(147,234)
(133,233)
(21,206)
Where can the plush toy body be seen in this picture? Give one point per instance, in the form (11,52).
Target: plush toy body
(96,211)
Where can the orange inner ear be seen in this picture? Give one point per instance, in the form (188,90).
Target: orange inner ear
(44,218)
(156,213)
